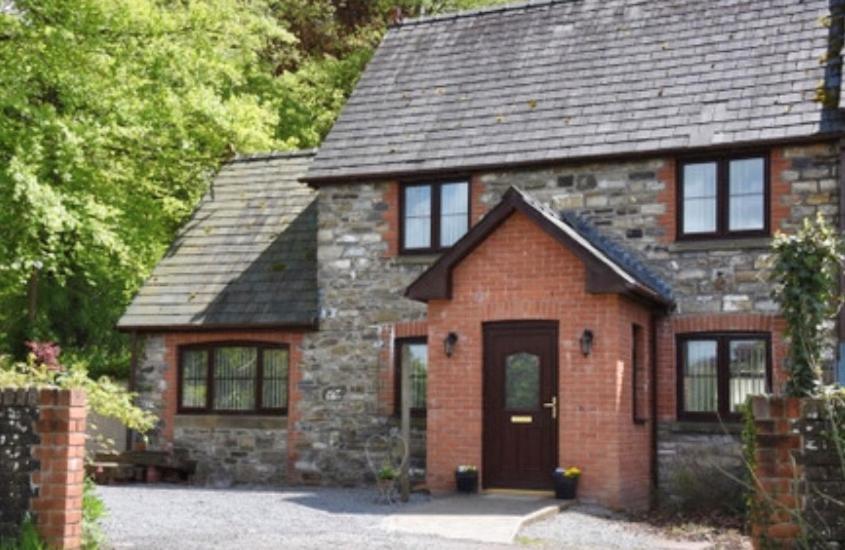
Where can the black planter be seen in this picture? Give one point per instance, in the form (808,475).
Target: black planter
(467,482)
(565,487)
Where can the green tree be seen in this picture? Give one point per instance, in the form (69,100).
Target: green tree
(115,113)
(112,115)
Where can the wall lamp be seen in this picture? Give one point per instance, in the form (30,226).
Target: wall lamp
(449,343)
(586,342)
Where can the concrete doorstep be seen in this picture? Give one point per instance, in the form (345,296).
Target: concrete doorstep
(494,518)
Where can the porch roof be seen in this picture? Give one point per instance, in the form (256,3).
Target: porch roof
(611,267)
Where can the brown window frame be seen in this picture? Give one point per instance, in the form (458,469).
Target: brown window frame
(723,197)
(434,238)
(723,339)
(397,375)
(637,356)
(209,347)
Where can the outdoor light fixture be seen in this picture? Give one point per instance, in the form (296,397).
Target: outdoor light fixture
(587,342)
(449,343)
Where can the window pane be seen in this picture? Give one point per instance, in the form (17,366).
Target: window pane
(235,371)
(699,376)
(522,381)
(417,232)
(699,198)
(417,216)
(274,386)
(194,374)
(747,200)
(454,212)
(748,370)
(415,357)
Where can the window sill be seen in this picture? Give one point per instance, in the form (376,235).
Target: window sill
(702,427)
(751,243)
(207,421)
(415,259)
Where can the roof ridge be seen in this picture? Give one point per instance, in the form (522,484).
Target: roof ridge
(269,155)
(492,10)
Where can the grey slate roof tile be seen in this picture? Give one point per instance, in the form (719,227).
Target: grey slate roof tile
(558,79)
(247,257)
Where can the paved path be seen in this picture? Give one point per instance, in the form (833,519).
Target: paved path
(486,518)
(179,517)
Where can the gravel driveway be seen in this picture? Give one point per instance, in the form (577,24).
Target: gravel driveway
(180,517)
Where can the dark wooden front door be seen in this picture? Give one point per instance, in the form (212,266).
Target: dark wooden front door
(520,404)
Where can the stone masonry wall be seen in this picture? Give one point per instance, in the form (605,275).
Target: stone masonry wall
(362,279)
(18,415)
(42,451)
(693,459)
(234,450)
(361,291)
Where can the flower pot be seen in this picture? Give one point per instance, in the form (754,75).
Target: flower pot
(565,487)
(466,482)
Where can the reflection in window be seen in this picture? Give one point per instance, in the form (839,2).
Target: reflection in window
(747,195)
(233,378)
(700,198)
(747,370)
(413,355)
(700,377)
(522,381)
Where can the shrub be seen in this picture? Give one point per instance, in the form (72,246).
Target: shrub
(806,276)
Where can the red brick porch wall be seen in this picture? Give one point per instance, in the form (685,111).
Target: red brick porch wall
(520,272)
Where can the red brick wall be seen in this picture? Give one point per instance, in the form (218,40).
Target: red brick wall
(174,340)
(520,272)
(61,453)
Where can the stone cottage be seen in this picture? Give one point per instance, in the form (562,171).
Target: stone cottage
(556,214)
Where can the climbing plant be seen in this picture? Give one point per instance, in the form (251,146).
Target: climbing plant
(806,286)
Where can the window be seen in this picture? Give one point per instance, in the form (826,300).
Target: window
(233,379)
(412,353)
(725,197)
(433,215)
(639,375)
(718,371)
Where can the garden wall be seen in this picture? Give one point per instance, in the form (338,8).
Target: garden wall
(800,498)
(42,450)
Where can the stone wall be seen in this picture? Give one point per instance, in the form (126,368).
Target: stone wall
(232,449)
(635,203)
(18,415)
(695,462)
(361,292)
(42,451)
(151,382)
(800,476)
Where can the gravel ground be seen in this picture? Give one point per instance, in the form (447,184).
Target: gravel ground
(585,527)
(179,517)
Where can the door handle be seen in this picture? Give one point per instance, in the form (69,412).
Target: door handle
(552,405)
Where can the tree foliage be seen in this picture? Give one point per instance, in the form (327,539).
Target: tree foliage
(115,113)
(806,276)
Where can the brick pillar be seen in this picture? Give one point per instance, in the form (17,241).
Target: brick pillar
(59,479)
(776,503)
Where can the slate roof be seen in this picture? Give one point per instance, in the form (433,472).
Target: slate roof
(612,267)
(565,79)
(246,258)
